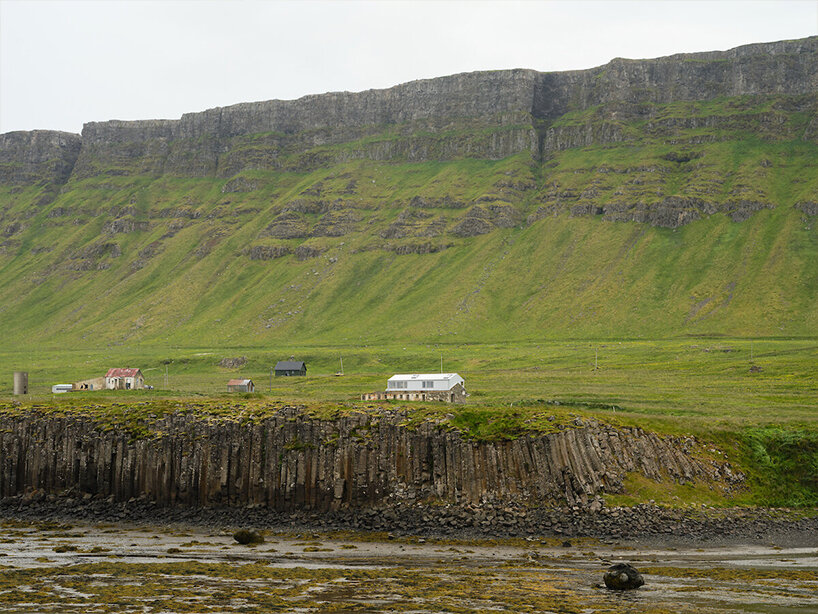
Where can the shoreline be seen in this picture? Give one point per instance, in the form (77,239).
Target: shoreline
(80,566)
(644,524)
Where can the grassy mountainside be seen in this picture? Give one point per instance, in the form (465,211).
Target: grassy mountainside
(117,259)
(614,212)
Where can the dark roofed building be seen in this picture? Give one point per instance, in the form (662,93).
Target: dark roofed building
(291,367)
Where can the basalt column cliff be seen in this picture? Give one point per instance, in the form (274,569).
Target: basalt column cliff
(291,462)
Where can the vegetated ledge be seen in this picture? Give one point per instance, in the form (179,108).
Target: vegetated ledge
(287,460)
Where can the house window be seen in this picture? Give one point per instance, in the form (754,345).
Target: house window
(427,383)
(397,384)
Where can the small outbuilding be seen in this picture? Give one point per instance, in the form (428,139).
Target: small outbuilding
(447,387)
(21,382)
(95,383)
(290,367)
(240,385)
(124,379)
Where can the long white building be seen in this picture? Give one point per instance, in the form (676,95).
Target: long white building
(448,387)
(423,381)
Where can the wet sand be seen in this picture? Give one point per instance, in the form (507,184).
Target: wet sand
(59,567)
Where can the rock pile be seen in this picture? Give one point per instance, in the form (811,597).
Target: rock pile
(488,519)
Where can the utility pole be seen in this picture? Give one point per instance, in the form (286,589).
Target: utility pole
(270,388)
(441,363)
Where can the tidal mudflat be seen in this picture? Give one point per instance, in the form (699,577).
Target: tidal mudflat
(57,567)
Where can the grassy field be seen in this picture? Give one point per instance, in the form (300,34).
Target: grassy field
(682,384)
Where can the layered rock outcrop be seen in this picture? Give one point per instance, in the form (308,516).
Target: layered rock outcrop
(785,67)
(490,115)
(39,157)
(290,461)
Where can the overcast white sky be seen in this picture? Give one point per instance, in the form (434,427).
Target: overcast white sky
(64,63)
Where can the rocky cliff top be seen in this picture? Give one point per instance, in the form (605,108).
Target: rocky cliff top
(496,99)
(784,67)
(479,94)
(38,156)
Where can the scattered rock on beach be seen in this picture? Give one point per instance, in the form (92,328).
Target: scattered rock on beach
(622,577)
(247,537)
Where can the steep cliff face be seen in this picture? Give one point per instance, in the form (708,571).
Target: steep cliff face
(474,104)
(194,145)
(293,462)
(785,67)
(39,157)
(207,143)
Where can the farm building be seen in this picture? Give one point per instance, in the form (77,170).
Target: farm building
(95,383)
(124,379)
(21,382)
(240,385)
(291,367)
(447,387)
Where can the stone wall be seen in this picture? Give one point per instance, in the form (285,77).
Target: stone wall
(290,461)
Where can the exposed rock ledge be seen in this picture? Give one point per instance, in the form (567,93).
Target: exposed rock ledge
(293,462)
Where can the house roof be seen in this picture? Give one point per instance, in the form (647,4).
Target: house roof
(290,365)
(239,382)
(123,373)
(408,377)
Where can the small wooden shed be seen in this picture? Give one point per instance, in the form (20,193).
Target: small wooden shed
(290,367)
(240,385)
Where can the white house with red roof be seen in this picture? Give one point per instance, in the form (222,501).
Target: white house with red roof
(124,379)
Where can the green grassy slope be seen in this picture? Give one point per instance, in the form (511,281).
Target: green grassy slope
(362,251)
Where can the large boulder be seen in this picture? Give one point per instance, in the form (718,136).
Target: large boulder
(622,577)
(248,537)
